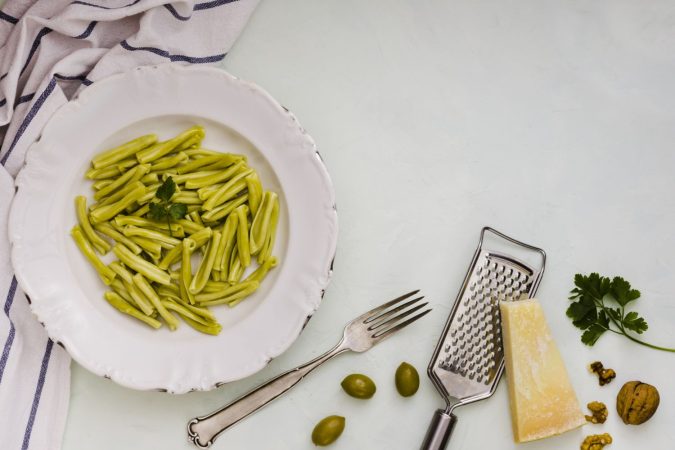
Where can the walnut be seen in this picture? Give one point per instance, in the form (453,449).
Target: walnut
(637,402)
(596,442)
(599,411)
(604,375)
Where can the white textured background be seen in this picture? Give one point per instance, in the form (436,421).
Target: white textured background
(552,121)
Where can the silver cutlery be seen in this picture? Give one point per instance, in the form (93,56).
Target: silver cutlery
(359,335)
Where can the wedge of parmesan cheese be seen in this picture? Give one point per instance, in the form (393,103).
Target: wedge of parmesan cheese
(543,402)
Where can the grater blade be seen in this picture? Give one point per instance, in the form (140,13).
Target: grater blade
(469,358)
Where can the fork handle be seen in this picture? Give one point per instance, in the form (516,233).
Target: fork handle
(202,431)
(439,431)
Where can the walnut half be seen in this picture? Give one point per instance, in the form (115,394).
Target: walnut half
(596,441)
(599,411)
(605,376)
(637,402)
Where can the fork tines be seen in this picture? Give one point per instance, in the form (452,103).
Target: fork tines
(388,318)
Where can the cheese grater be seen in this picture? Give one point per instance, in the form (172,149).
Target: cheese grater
(469,358)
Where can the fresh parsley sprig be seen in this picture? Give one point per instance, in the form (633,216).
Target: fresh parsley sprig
(599,305)
(164,209)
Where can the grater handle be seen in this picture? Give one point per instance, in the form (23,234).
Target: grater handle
(439,431)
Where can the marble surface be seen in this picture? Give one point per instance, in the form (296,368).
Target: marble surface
(551,121)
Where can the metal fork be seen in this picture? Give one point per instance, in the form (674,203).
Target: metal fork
(359,335)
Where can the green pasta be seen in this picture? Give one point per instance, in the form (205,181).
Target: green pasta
(230,239)
(141,266)
(121,305)
(107,212)
(222,218)
(140,299)
(201,237)
(225,209)
(101,183)
(131,175)
(184,312)
(218,161)
(243,248)
(105,272)
(236,269)
(164,148)
(120,270)
(168,162)
(223,293)
(118,195)
(164,240)
(271,234)
(246,289)
(123,151)
(142,284)
(118,286)
(204,270)
(261,223)
(213,329)
(171,257)
(103,174)
(100,244)
(150,178)
(255,192)
(176,229)
(152,248)
(110,231)
(188,248)
(227,190)
(213,178)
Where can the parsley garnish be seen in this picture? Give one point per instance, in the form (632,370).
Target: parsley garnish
(164,209)
(600,305)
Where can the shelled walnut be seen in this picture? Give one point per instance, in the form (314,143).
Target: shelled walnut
(605,376)
(596,441)
(599,412)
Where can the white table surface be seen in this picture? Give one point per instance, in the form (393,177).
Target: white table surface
(552,121)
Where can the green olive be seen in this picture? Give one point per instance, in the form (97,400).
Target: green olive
(328,430)
(407,380)
(358,386)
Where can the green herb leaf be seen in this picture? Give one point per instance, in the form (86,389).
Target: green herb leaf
(157,211)
(598,305)
(164,209)
(166,190)
(583,312)
(622,292)
(177,211)
(634,322)
(592,334)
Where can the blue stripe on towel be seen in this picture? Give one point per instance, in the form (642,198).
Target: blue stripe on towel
(174,13)
(38,394)
(191,59)
(198,7)
(25,98)
(10,336)
(87,32)
(212,4)
(7,18)
(82,78)
(36,43)
(29,118)
(78,2)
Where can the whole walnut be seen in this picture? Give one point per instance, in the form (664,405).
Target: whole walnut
(637,402)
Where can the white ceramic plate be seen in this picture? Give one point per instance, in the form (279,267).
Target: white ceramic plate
(65,291)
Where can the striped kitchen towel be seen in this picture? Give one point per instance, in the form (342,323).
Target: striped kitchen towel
(51,49)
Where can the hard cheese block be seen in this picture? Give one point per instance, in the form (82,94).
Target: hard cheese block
(543,402)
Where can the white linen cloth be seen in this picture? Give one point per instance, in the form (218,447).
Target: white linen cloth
(50,50)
